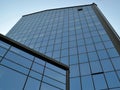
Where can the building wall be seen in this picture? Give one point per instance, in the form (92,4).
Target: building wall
(76,37)
(20,70)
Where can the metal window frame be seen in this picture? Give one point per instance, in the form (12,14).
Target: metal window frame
(38,55)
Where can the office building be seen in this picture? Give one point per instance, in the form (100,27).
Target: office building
(78,36)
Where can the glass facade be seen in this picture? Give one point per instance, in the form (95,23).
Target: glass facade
(76,37)
(22,71)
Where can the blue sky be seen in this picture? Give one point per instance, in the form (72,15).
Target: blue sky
(12,10)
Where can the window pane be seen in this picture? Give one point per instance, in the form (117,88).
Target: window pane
(3,44)
(84,69)
(90,48)
(87,83)
(115,89)
(74,70)
(105,37)
(112,52)
(107,66)
(95,66)
(14,66)
(18,59)
(96,39)
(35,75)
(11,80)
(102,54)
(38,68)
(55,75)
(64,52)
(2,51)
(54,83)
(65,60)
(81,49)
(99,82)
(73,59)
(112,80)
(32,84)
(73,51)
(108,44)
(93,56)
(47,87)
(83,58)
(118,72)
(75,84)
(116,63)
(22,53)
(99,46)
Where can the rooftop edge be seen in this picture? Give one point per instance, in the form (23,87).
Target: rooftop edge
(59,8)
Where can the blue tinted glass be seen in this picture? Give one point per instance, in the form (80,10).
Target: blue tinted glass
(47,87)
(95,66)
(35,75)
(0,58)
(107,66)
(57,53)
(53,67)
(115,89)
(74,59)
(102,54)
(96,39)
(74,70)
(83,58)
(108,44)
(88,41)
(112,52)
(2,51)
(64,52)
(87,83)
(73,51)
(72,44)
(86,35)
(99,46)
(55,75)
(94,33)
(37,67)
(39,61)
(90,48)
(3,44)
(11,80)
(118,72)
(105,37)
(75,84)
(22,53)
(53,82)
(81,49)
(112,80)
(32,84)
(92,56)
(99,82)
(116,62)
(18,59)
(64,45)
(84,69)
(80,42)
(14,66)
(64,60)
(57,46)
